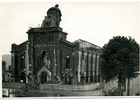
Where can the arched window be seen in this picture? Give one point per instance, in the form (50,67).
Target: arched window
(22,61)
(43,57)
(67,62)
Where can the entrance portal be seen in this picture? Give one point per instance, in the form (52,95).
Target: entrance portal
(43,77)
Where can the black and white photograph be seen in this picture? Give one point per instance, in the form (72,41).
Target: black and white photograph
(70,49)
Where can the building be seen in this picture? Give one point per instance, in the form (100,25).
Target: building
(8,75)
(3,70)
(48,57)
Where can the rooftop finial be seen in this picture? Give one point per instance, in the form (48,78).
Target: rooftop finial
(57,5)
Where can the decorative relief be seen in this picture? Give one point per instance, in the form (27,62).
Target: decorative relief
(43,45)
(45,38)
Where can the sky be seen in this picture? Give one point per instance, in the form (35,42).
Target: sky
(95,22)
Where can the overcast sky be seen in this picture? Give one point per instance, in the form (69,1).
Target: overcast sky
(94,22)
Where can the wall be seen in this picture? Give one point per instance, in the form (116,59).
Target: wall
(13,85)
(70,87)
(134,86)
(8,79)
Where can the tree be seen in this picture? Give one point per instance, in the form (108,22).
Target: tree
(120,59)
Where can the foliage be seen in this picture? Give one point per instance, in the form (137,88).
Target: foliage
(120,58)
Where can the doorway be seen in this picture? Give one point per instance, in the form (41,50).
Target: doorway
(23,77)
(43,77)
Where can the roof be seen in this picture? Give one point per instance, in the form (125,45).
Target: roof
(67,42)
(23,43)
(55,8)
(84,44)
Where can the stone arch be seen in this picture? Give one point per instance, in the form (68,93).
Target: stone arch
(22,72)
(44,69)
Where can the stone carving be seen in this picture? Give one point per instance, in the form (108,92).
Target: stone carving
(48,37)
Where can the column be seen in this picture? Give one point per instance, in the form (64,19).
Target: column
(27,62)
(89,67)
(58,63)
(82,62)
(93,67)
(85,61)
(31,58)
(85,65)
(97,68)
(79,66)
(55,65)
(19,66)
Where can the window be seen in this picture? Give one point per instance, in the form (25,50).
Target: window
(22,61)
(49,16)
(44,55)
(67,62)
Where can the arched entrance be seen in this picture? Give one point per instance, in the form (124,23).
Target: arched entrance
(43,77)
(22,77)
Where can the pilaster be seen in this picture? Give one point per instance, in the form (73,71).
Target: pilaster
(89,66)
(27,62)
(93,67)
(85,65)
(79,65)
(97,69)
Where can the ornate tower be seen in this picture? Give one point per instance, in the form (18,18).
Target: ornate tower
(53,17)
(44,47)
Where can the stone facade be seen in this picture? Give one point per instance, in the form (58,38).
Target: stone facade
(47,56)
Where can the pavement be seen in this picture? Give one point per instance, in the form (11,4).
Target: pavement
(56,93)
